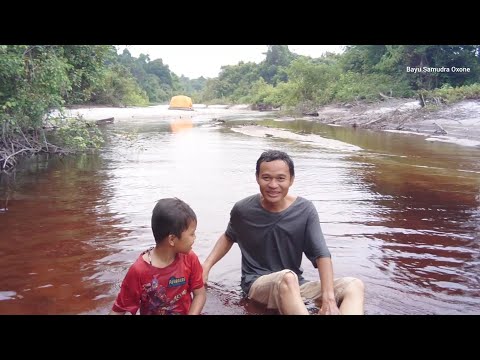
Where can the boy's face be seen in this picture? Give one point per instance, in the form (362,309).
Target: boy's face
(187,238)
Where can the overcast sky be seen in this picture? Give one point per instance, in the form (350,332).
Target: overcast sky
(194,61)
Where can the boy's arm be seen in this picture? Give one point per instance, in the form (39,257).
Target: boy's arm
(199,298)
(128,299)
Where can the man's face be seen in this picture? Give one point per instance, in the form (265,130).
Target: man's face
(274,180)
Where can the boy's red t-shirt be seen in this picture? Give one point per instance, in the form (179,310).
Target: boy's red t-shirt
(156,291)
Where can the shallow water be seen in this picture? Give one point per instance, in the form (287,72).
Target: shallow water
(399,212)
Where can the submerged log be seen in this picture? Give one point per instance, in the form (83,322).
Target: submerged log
(440,130)
(105,121)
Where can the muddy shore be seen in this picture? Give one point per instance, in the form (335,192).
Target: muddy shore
(458,123)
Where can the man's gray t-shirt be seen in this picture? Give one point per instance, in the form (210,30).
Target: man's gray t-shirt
(271,242)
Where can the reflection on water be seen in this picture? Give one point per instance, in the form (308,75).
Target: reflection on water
(427,222)
(181,124)
(401,213)
(56,229)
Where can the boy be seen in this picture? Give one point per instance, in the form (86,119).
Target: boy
(163,278)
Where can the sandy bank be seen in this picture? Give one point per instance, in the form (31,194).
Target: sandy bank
(459,122)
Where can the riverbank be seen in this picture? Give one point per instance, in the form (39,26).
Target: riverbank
(457,123)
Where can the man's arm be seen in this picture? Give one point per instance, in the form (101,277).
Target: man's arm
(199,298)
(325,269)
(222,246)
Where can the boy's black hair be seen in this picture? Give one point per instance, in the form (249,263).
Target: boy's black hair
(272,155)
(171,216)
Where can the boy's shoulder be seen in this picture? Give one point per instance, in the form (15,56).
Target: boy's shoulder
(189,260)
(191,255)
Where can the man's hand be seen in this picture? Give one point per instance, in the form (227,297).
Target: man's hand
(325,271)
(329,307)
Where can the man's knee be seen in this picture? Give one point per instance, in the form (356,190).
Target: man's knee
(356,287)
(289,283)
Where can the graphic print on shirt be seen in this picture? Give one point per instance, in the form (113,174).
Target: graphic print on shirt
(173,281)
(155,300)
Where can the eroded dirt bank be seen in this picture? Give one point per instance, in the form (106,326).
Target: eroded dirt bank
(459,122)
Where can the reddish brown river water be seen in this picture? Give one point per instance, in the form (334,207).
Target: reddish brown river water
(399,212)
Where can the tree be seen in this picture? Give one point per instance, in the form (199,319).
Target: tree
(277,58)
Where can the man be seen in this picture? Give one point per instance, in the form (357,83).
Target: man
(273,229)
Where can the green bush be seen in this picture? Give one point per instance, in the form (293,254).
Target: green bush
(451,94)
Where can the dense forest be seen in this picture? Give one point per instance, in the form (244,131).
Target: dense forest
(36,80)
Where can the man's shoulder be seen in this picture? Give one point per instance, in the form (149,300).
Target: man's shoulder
(302,205)
(247,202)
(303,202)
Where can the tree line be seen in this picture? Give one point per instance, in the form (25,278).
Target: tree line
(37,79)
(361,72)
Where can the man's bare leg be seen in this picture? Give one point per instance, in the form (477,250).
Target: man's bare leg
(353,299)
(290,302)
